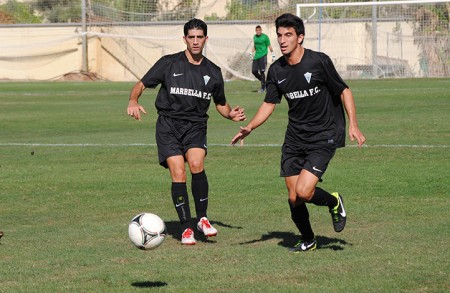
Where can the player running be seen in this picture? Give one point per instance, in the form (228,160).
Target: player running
(316,95)
(188,83)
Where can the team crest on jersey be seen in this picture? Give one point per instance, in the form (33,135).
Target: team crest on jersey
(206,78)
(308,76)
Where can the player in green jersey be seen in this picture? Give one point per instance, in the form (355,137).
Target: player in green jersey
(261,44)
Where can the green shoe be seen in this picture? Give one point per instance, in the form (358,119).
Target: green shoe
(338,215)
(303,245)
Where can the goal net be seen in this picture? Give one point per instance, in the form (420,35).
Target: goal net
(138,36)
(366,39)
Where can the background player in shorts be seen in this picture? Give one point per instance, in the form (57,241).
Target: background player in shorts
(259,55)
(188,83)
(316,96)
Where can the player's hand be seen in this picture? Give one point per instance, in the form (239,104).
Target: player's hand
(354,132)
(273,57)
(134,110)
(243,133)
(237,114)
(251,55)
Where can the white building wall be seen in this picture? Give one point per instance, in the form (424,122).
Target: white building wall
(126,53)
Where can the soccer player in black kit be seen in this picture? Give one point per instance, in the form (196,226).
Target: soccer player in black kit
(188,83)
(316,96)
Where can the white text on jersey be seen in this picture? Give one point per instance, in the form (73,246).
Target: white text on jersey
(302,94)
(190,92)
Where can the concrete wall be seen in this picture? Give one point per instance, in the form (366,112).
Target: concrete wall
(38,53)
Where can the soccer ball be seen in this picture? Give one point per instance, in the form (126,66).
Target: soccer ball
(147,231)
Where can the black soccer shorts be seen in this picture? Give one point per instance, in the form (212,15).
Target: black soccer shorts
(176,136)
(294,159)
(259,64)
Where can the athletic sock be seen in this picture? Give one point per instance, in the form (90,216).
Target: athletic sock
(200,189)
(181,202)
(263,81)
(300,217)
(323,198)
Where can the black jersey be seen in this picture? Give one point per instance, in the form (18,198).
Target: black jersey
(312,89)
(186,89)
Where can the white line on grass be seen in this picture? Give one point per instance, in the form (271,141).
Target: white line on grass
(211,144)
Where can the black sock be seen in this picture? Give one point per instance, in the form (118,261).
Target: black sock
(200,193)
(263,80)
(181,202)
(323,198)
(300,216)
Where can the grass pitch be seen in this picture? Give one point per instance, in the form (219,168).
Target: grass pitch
(74,169)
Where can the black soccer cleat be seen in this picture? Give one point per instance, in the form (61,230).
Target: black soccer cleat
(338,214)
(303,245)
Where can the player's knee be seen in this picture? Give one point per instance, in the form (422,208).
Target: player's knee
(292,200)
(196,166)
(304,194)
(178,175)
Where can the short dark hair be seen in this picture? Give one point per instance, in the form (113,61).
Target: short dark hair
(257,27)
(195,24)
(290,20)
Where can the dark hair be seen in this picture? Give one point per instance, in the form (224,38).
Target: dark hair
(195,24)
(290,20)
(258,26)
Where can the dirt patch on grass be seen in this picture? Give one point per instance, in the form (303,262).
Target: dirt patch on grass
(79,76)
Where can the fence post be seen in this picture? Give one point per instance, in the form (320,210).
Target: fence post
(374,41)
(84,60)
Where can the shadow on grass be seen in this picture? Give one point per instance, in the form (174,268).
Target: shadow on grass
(149,284)
(289,239)
(173,229)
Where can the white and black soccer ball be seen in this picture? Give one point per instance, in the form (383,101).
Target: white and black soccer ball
(147,231)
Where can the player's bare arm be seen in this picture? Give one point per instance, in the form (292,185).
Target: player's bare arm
(353,130)
(236,114)
(134,109)
(264,112)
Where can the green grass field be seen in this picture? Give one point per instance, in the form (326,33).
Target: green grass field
(74,169)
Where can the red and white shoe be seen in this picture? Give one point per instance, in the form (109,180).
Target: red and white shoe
(187,238)
(205,227)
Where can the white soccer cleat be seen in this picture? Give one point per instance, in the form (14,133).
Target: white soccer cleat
(205,227)
(188,237)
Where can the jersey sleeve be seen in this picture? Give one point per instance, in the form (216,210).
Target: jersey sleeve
(334,81)
(156,73)
(267,41)
(219,91)
(273,94)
